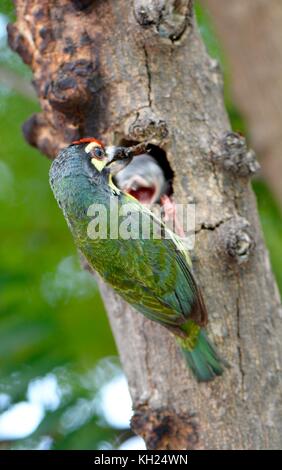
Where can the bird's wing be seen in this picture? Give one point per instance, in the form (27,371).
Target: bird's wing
(154,275)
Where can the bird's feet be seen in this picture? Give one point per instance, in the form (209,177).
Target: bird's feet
(169,210)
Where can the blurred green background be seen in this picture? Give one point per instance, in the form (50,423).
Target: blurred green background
(58,366)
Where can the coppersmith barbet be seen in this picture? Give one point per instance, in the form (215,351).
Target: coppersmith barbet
(152,273)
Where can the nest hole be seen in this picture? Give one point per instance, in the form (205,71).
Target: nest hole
(161,158)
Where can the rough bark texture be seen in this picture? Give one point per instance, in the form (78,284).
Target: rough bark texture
(126,70)
(251,34)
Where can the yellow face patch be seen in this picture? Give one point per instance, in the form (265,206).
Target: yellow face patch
(99,163)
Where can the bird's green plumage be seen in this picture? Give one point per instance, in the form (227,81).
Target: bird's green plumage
(153,275)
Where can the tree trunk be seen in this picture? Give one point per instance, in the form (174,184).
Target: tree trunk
(133,70)
(251,34)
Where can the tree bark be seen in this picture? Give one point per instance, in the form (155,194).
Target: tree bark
(251,34)
(134,70)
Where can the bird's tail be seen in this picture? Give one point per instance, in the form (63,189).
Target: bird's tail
(203,359)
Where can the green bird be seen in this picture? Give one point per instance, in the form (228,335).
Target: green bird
(152,273)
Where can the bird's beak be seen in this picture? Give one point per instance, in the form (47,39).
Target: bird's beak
(119,157)
(125,154)
(118,154)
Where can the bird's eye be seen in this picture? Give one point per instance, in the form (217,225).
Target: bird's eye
(98,152)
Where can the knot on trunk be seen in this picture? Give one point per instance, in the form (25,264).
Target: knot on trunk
(147,126)
(163,429)
(235,239)
(39,135)
(71,88)
(168,18)
(233,154)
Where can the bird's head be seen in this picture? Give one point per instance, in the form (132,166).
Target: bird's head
(113,158)
(89,158)
(92,151)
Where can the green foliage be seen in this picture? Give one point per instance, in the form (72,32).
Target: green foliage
(7,9)
(271,220)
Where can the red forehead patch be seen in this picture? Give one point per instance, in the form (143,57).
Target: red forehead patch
(87,140)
